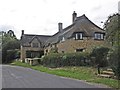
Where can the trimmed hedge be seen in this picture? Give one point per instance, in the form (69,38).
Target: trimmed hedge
(65,59)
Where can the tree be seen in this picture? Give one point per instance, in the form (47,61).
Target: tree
(9,45)
(112,27)
(99,55)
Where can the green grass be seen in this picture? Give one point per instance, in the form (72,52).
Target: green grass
(81,73)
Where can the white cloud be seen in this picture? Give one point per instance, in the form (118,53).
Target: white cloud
(42,16)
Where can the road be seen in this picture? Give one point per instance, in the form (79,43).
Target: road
(20,77)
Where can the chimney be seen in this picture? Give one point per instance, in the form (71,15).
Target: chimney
(74,16)
(60,27)
(22,32)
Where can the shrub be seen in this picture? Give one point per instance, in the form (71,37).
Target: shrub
(99,56)
(66,59)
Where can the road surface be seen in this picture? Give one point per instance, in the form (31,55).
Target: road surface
(20,77)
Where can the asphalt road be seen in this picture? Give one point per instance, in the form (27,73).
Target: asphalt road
(20,77)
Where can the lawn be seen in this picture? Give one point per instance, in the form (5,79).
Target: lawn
(81,73)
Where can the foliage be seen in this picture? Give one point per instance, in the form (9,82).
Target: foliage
(65,59)
(99,56)
(112,28)
(114,61)
(9,46)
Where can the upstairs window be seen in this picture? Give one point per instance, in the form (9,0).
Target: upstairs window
(79,36)
(62,39)
(35,45)
(99,36)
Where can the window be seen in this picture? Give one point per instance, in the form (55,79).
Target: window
(102,36)
(99,36)
(55,45)
(79,50)
(50,45)
(46,51)
(79,36)
(35,44)
(63,38)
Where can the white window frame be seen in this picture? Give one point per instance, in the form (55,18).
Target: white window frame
(102,36)
(79,36)
(99,36)
(76,36)
(63,38)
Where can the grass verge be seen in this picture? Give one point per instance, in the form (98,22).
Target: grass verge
(81,73)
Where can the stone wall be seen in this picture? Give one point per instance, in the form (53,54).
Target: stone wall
(70,45)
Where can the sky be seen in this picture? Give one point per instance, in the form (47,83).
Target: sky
(42,16)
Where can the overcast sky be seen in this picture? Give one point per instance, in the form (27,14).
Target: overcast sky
(42,16)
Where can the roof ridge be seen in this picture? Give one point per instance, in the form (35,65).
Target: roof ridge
(37,35)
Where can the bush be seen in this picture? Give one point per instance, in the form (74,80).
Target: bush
(66,59)
(99,56)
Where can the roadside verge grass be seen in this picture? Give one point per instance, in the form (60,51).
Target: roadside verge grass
(81,73)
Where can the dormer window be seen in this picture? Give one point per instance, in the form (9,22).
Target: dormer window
(79,36)
(99,36)
(63,38)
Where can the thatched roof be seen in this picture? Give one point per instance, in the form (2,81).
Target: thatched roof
(82,24)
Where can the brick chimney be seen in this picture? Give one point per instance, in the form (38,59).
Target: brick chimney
(60,27)
(22,32)
(74,16)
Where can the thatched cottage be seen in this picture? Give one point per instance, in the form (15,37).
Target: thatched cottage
(82,35)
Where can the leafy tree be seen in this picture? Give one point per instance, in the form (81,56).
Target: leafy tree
(112,27)
(114,61)
(99,55)
(9,44)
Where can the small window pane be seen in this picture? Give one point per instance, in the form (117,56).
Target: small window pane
(76,36)
(102,37)
(81,36)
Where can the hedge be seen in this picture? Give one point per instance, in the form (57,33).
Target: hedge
(65,59)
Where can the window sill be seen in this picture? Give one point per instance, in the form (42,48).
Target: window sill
(99,39)
(78,39)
